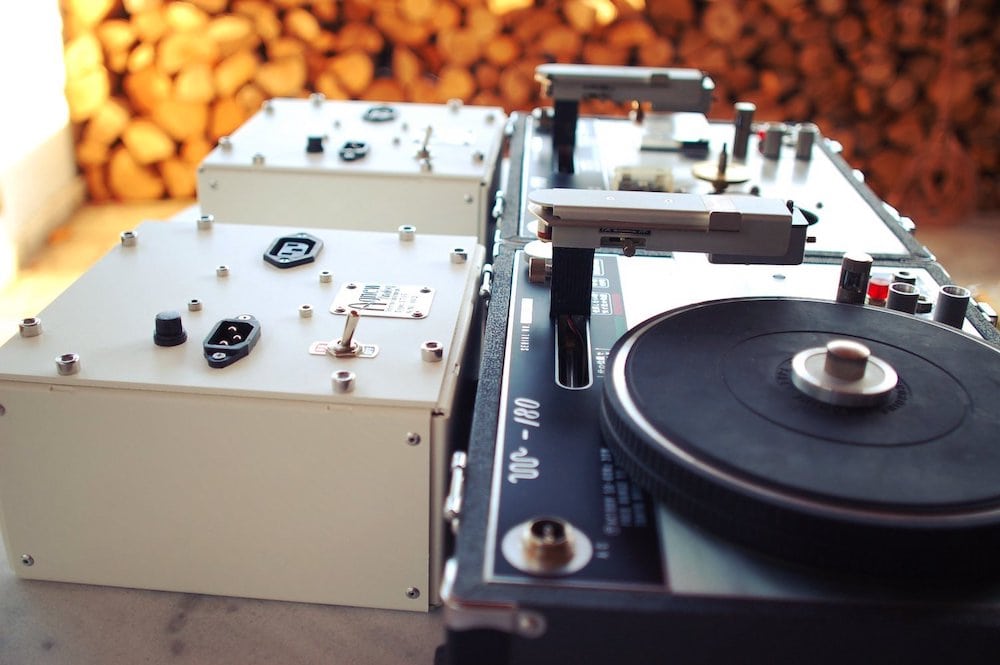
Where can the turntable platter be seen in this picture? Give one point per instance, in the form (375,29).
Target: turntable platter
(704,406)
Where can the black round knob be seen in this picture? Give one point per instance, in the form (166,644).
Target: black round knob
(169,329)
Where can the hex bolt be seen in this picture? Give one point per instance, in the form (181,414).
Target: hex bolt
(194,305)
(129,238)
(431,351)
(459,255)
(343,381)
(27,560)
(222,271)
(258,159)
(205,222)
(407,232)
(412,438)
(306,311)
(325,277)
(30,327)
(67,364)
(412,593)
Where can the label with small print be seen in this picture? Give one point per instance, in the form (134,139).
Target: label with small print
(390,300)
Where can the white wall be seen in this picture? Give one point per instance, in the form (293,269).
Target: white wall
(39,185)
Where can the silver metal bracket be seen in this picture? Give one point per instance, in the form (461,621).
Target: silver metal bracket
(505,618)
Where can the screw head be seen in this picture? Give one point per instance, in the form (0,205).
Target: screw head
(27,560)
(412,438)
(412,593)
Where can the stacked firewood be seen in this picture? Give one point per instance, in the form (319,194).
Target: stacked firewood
(153,84)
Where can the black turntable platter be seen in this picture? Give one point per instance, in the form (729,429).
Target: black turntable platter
(709,408)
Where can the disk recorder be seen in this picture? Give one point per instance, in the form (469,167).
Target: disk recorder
(664,481)
(672,147)
(678,458)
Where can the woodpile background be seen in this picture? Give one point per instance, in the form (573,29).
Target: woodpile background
(152,84)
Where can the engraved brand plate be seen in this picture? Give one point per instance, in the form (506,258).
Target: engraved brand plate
(392,300)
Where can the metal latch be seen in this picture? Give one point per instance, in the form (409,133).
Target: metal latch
(486,285)
(456,490)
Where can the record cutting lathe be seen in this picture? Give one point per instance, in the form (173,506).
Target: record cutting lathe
(668,90)
(737,229)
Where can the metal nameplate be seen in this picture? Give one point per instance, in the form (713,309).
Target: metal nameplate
(391,300)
